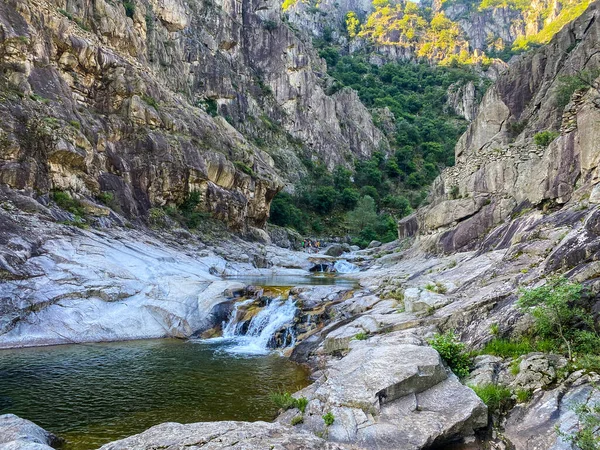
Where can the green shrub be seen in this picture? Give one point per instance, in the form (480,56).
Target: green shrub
(559,314)
(211,107)
(67,14)
(243,167)
(361,336)
(496,397)
(283,400)
(269,25)
(157,217)
(453,352)
(301,404)
(151,101)
(328,419)
(129,8)
(65,201)
(75,124)
(544,138)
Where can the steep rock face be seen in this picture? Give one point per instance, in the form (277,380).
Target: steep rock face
(471,27)
(499,169)
(175,98)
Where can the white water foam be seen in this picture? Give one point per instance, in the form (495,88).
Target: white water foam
(278,315)
(343,266)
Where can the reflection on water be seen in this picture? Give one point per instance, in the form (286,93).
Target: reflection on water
(295,280)
(93,394)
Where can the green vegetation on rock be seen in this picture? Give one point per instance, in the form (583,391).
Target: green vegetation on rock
(453,352)
(560,315)
(496,397)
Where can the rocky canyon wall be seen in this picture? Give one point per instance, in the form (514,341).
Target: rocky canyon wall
(149,100)
(525,149)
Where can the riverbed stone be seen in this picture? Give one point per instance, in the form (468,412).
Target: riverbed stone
(219,435)
(17,433)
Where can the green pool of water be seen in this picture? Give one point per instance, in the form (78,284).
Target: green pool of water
(94,394)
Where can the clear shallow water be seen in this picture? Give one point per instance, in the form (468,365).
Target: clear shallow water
(94,394)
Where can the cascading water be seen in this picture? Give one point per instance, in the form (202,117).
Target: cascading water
(343,266)
(276,316)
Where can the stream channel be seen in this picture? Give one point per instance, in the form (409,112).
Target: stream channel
(91,394)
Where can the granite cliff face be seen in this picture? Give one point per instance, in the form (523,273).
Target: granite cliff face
(164,98)
(525,149)
(397,31)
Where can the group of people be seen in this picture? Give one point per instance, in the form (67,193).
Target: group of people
(311,246)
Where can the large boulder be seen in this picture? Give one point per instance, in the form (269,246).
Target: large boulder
(390,392)
(22,434)
(218,435)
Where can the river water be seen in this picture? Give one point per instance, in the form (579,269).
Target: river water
(94,394)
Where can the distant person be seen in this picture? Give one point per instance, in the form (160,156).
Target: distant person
(304,245)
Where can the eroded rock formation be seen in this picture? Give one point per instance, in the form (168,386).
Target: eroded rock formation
(501,170)
(164,99)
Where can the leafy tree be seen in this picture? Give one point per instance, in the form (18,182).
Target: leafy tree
(352,24)
(364,215)
(342,178)
(544,138)
(349,198)
(324,199)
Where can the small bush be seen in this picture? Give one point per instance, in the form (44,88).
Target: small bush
(454,192)
(328,419)
(495,329)
(544,138)
(585,436)
(269,25)
(453,352)
(361,336)
(67,14)
(301,404)
(151,101)
(75,124)
(297,420)
(243,167)
(157,217)
(283,400)
(496,397)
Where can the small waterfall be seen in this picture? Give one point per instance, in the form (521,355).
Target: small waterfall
(277,315)
(230,329)
(343,266)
